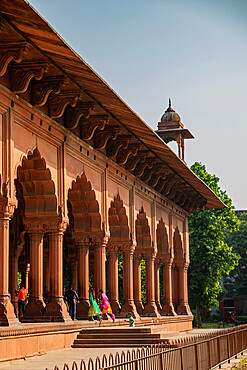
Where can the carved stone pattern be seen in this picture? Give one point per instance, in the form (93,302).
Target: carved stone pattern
(101,138)
(124,154)
(113,147)
(23,73)
(140,168)
(88,127)
(9,52)
(58,103)
(42,89)
(73,115)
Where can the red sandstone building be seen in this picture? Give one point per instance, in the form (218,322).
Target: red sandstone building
(83,176)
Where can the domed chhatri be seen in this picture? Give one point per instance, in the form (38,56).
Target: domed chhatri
(170,128)
(170,119)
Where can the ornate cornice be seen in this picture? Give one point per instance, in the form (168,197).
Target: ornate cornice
(101,138)
(42,89)
(89,125)
(114,146)
(11,51)
(58,103)
(73,115)
(123,154)
(24,72)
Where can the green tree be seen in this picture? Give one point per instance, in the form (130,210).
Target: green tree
(210,256)
(238,241)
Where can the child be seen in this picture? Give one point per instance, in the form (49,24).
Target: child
(131,320)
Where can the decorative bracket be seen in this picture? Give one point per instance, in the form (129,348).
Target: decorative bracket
(101,137)
(43,88)
(11,51)
(24,72)
(133,160)
(114,146)
(123,154)
(58,103)
(88,126)
(149,162)
(73,115)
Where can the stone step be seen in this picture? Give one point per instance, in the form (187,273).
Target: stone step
(116,343)
(119,335)
(123,329)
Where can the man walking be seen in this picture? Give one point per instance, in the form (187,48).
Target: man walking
(72,297)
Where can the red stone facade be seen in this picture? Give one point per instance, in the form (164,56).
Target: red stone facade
(82,179)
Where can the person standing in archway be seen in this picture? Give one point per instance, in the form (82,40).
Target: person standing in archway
(22,296)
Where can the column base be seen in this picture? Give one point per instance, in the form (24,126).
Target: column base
(158,305)
(115,306)
(150,310)
(183,309)
(139,307)
(168,309)
(129,306)
(82,310)
(56,311)
(34,311)
(7,315)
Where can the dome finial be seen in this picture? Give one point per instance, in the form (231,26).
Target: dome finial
(170,104)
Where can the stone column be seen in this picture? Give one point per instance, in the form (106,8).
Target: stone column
(13,281)
(175,285)
(150,307)
(112,256)
(73,273)
(99,268)
(7,315)
(128,298)
(27,276)
(157,284)
(46,269)
(183,307)
(35,307)
(137,283)
(56,309)
(167,308)
(83,279)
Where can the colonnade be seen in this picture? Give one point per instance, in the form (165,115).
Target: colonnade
(86,236)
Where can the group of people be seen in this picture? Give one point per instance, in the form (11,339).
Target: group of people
(97,309)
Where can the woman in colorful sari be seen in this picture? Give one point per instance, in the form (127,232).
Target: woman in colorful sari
(105,306)
(94,310)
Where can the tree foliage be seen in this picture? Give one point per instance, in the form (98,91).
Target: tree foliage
(210,256)
(238,241)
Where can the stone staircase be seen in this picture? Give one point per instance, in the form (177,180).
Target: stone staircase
(122,337)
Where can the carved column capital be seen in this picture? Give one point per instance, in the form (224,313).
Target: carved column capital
(58,225)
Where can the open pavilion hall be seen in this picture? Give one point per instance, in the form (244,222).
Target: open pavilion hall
(85,182)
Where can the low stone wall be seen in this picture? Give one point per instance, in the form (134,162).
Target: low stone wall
(35,339)
(29,340)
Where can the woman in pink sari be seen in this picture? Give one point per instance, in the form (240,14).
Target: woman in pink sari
(105,306)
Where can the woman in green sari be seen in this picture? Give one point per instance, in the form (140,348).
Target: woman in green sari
(94,310)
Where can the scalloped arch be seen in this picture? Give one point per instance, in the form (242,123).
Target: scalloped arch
(162,238)
(83,206)
(118,221)
(143,236)
(35,190)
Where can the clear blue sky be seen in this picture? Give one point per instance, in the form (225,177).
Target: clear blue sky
(194,51)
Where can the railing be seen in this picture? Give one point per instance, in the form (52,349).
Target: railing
(202,352)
